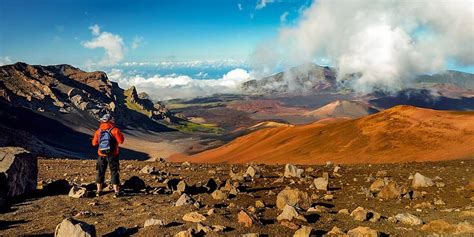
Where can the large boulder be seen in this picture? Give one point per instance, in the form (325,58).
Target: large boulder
(19,168)
(74,228)
(293,197)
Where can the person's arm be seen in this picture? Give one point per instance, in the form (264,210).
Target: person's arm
(118,136)
(95,140)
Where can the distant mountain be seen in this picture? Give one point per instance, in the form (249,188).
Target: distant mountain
(304,79)
(399,134)
(459,79)
(64,100)
(343,108)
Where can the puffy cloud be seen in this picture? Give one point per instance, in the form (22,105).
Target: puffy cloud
(181,86)
(386,42)
(5,60)
(262,3)
(112,43)
(239,6)
(137,41)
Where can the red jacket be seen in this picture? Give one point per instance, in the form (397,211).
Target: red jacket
(115,132)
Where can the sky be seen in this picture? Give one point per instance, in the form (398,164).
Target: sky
(189,48)
(55,31)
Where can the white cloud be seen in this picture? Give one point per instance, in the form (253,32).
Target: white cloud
(137,41)
(190,64)
(263,3)
(388,42)
(239,6)
(112,43)
(283,17)
(5,60)
(180,86)
(95,29)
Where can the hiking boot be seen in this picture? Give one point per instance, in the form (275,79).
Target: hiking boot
(98,194)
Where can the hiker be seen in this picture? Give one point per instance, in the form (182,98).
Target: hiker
(107,138)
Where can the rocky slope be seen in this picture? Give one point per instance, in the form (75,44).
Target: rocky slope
(399,134)
(52,109)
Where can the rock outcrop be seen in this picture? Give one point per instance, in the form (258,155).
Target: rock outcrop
(19,169)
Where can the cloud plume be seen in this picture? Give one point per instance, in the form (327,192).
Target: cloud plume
(112,43)
(386,42)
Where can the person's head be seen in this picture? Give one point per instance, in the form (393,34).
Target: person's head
(106,118)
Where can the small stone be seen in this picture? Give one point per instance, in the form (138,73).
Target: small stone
(328,197)
(184,199)
(288,213)
(152,222)
(390,191)
(259,204)
(321,183)
(289,224)
(362,231)
(218,228)
(252,171)
(71,227)
(335,231)
(336,169)
(375,216)
(359,214)
(420,181)
(202,228)
(343,211)
(292,171)
(219,195)
(185,233)
(211,212)
(381,174)
(377,185)
(182,187)
(148,170)
(245,218)
(439,202)
(293,197)
(77,192)
(251,235)
(194,217)
(408,219)
(304,231)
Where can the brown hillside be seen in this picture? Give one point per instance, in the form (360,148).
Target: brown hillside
(399,134)
(343,108)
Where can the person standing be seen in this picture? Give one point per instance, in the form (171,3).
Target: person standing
(107,138)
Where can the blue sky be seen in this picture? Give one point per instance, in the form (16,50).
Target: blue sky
(54,31)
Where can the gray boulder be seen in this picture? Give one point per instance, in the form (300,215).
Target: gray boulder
(74,228)
(19,168)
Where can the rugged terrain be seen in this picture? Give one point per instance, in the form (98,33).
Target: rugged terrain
(449,198)
(399,134)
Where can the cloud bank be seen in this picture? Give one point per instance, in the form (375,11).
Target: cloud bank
(386,42)
(111,43)
(181,86)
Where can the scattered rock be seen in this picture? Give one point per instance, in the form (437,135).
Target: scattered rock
(148,170)
(20,171)
(134,183)
(321,183)
(184,199)
(377,185)
(251,235)
(219,195)
(335,231)
(381,174)
(252,171)
(259,204)
(289,224)
(362,231)
(293,197)
(73,228)
(152,222)
(343,212)
(408,219)
(182,187)
(292,171)
(390,191)
(194,217)
(78,192)
(246,219)
(289,212)
(359,214)
(185,233)
(443,227)
(420,181)
(304,231)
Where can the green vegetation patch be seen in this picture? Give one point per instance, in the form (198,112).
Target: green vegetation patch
(196,127)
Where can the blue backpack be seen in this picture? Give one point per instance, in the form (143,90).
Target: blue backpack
(106,141)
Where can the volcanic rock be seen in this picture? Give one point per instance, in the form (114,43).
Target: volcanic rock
(20,171)
(289,212)
(292,171)
(408,219)
(78,192)
(148,170)
(359,214)
(321,183)
(184,199)
(219,195)
(293,197)
(246,219)
(390,191)
(420,181)
(362,231)
(134,183)
(74,228)
(152,222)
(377,185)
(194,217)
(335,231)
(443,227)
(252,171)
(304,231)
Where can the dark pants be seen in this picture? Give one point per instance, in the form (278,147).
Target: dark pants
(113,163)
